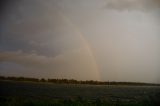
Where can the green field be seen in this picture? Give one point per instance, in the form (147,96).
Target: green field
(14,93)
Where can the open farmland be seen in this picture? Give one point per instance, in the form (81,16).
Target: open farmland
(14,93)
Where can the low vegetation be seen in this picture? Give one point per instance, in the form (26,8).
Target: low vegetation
(20,91)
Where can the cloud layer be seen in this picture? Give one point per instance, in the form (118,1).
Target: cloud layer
(76,64)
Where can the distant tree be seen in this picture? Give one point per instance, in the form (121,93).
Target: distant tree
(73,81)
(2,78)
(42,80)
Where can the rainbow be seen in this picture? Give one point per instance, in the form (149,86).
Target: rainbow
(85,44)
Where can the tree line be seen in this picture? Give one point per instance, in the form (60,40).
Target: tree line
(73,81)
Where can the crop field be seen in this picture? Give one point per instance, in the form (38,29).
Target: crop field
(14,93)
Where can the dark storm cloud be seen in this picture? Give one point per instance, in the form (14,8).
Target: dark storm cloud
(142,5)
(33,25)
(3,4)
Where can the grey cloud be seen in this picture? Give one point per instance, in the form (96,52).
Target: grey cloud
(25,59)
(141,5)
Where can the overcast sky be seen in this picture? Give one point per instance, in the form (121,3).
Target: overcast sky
(116,40)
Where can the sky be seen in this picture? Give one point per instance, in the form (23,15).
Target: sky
(115,40)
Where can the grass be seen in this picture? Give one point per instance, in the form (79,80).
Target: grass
(14,93)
